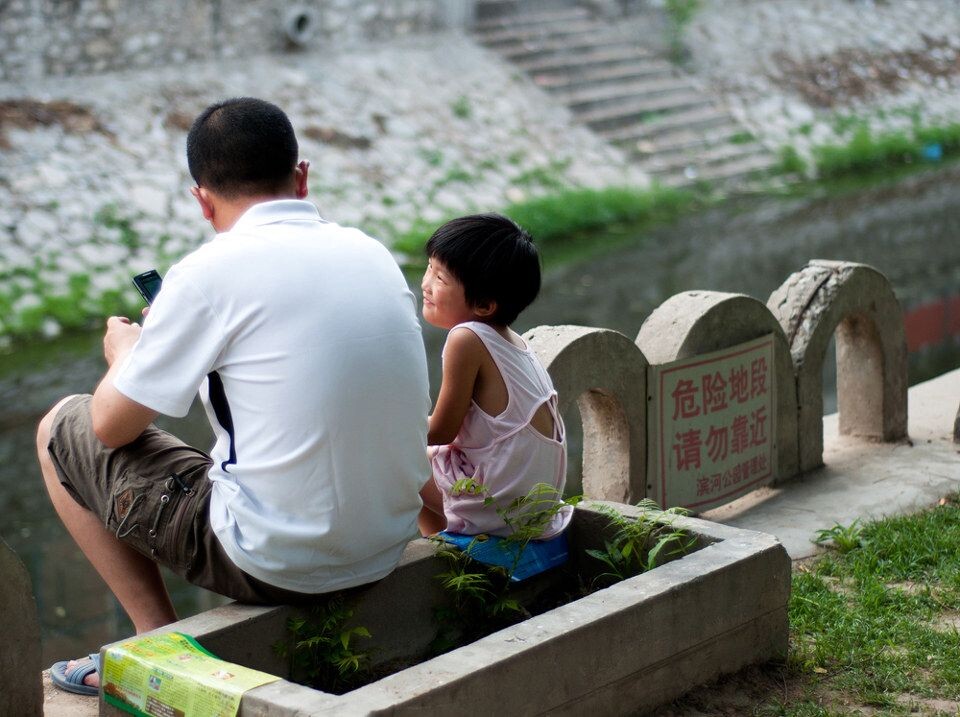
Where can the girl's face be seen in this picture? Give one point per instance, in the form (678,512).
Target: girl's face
(444,303)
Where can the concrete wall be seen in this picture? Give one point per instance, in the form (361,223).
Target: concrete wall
(21,690)
(41,38)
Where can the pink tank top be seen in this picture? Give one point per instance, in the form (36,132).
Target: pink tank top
(504,453)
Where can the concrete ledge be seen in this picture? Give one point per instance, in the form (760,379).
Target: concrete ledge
(621,650)
(21,689)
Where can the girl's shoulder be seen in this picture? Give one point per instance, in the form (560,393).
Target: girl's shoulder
(462,337)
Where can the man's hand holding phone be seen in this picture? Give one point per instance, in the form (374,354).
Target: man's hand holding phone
(120,337)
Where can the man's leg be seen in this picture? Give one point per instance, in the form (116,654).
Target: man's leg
(133,578)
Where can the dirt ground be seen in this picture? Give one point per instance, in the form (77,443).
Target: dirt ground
(772,689)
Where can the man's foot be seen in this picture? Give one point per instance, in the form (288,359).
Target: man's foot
(81,676)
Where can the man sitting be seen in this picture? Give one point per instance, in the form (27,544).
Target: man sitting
(303,339)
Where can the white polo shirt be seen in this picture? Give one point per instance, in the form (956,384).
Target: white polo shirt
(313,334)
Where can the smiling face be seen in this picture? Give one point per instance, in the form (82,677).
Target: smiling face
(444,303)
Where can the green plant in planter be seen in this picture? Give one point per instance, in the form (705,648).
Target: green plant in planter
(641,544)
(322,648)
(480,600)
(480,597)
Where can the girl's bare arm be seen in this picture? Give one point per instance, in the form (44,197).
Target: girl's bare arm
(462,355)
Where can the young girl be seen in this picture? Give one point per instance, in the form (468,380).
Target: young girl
(496,418)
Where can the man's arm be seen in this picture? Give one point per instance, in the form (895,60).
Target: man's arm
(118,420)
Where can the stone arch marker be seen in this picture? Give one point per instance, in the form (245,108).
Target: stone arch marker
(21,689)
(605,373)
(857,303)
(700,322)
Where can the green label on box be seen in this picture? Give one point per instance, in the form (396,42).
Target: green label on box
(171,675)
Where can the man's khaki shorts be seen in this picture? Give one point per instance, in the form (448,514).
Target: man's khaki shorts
(154,495)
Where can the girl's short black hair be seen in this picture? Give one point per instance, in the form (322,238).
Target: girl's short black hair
(242,147)
(493,258)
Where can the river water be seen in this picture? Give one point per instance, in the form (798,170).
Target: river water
(908,229)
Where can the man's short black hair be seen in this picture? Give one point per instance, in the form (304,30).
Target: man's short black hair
(242,147)
(493,258)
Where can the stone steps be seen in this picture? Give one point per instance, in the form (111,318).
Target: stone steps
(582,60)
(576,24)
(673,128)
(569,81)
(509,21)
(637,110)
(662,162)
(566,46)
(699,118)
(596,96)
(684,138)
(727,173)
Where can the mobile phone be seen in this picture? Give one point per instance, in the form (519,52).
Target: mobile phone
(148,284)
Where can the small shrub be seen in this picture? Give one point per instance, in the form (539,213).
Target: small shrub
(791,162)
(679,15)
(843,538)
(109,216)
(461,107)
(641,544)
(433,157)
(322,648)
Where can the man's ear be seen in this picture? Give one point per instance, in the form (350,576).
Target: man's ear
(300,176)
(205,201)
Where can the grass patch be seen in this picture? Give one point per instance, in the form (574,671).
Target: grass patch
(567,215)
(872,628)
(867,152)
(876,638)
(791,162)
(461,108)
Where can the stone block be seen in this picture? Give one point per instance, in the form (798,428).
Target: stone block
(856,303)
(605,373)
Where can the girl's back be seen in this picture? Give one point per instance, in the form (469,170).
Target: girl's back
(504,453)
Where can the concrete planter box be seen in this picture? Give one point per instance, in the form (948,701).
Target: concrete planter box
(621,650)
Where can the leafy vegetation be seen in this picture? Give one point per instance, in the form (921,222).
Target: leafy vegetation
(867,151)
(461,107)
(641,544)
(841,538)
(679,15)
(871,617)
(565,214)
(791,162)
(481,599)
(322,647)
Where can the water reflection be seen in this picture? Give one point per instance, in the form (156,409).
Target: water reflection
(907,230)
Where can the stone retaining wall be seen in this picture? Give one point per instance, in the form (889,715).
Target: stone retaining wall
(41,38)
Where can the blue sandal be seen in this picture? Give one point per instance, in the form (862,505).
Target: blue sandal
(71,679)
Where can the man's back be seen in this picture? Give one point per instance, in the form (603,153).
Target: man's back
(318,395)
